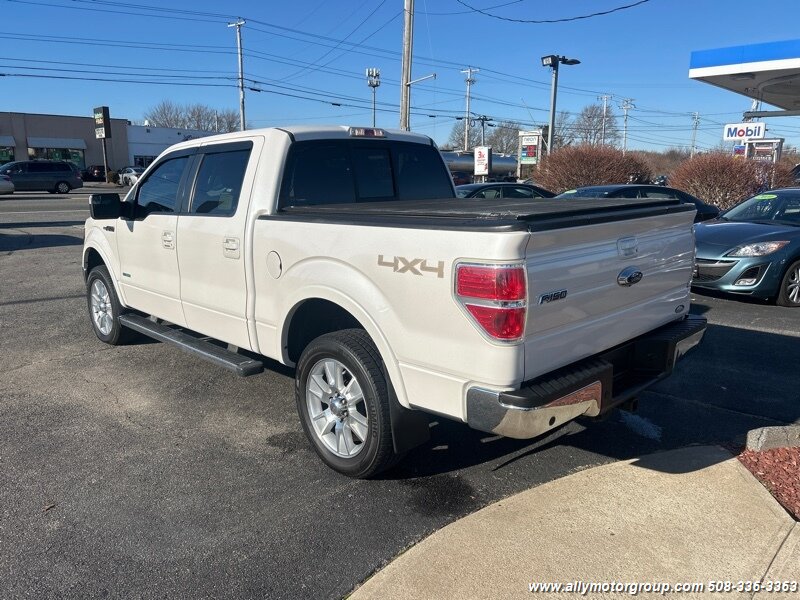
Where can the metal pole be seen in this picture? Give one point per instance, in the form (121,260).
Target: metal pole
(373,81)
(552,125)
(696,117)
(469,71)
(105,160)
(627,104)
(238,24)
(405,86)
(483,130)
(605,108)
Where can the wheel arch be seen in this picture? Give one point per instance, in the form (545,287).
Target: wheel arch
(323,313)
(94,254)
(314,316)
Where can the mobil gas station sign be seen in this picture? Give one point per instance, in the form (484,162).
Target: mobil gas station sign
(743,131)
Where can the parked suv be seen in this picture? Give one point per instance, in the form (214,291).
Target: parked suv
(54,176)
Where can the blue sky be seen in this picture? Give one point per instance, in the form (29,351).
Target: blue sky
(308,55)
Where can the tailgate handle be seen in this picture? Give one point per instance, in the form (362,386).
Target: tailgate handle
(629,276)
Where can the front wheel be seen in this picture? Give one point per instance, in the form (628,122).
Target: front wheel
(789,294)
(104,307)
(343,402)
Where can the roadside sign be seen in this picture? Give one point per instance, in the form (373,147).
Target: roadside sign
(102,123)
(530,143)
(743,131)
(483,160)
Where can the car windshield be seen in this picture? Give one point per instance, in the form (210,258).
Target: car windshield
(6,167)
(771,207)
(462,193)
(138,170)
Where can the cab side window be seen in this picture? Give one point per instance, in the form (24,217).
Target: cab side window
(219,183)
(159,193)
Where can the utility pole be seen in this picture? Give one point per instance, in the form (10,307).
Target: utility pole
(605,99)
(696,122)
(627,104)
(238,24)
(373,81)
(469,71)
(405,85)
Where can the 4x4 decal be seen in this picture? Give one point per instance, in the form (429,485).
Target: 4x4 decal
(417,266)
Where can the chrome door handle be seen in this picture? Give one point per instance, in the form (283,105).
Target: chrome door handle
(168,240)
(230,244)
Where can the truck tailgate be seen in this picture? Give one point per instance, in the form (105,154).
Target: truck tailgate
(584,291)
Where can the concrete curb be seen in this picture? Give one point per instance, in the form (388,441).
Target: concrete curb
(688,515)
(768,438)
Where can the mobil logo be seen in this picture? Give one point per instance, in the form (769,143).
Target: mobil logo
(740,131)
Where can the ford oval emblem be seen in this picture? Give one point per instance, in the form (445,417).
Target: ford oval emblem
(629,277)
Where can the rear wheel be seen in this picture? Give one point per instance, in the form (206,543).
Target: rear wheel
(789,294)
(62,187)
(343,402)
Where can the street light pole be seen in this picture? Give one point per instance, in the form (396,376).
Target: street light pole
(553,61)
(373,81)
(238,24)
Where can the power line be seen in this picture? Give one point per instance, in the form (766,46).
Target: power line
(562,20)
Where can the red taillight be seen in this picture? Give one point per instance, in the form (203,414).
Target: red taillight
(492,283)
(501,323)
(495,296)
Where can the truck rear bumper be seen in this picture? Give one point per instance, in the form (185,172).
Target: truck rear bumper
(589,387)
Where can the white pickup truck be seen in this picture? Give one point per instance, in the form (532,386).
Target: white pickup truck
(344,252)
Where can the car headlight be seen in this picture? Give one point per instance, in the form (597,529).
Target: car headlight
(757,249)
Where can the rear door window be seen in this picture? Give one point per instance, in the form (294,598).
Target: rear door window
(518,192)
(219,183)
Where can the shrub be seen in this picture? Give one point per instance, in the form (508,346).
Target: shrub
(577,166)
(721,179)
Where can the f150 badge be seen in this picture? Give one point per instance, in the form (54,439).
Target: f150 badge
(552,296)
(417,266)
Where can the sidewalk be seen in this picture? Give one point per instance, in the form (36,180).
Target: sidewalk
(685,516)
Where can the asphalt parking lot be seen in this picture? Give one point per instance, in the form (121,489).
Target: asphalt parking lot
(142,471)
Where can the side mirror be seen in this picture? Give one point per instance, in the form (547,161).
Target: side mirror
(105,206)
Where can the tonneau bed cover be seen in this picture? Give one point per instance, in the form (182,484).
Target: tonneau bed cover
(511,214)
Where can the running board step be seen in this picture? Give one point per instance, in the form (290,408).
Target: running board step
(239,364)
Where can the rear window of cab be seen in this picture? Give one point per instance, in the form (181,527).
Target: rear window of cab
(349,171)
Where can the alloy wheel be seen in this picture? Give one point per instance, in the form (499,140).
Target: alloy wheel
(337,408)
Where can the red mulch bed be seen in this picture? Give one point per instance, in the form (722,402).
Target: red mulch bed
(779,471)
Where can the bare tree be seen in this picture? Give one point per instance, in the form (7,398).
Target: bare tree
(456,139)
(504,137)
(165,114)
(563,132)
(593,128)
(192,116)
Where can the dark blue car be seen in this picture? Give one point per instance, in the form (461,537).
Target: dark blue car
(753,249)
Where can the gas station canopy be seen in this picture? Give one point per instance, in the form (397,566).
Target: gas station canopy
(767,72)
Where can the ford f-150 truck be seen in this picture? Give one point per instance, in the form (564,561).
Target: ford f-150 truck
(343,252)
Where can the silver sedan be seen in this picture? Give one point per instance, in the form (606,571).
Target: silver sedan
(6,185)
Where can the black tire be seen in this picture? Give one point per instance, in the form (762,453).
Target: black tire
(789,293)
(117,334)
(62,187)
(354,349)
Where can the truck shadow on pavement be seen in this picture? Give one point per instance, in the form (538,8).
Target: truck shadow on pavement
(736,380)
(27,241)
